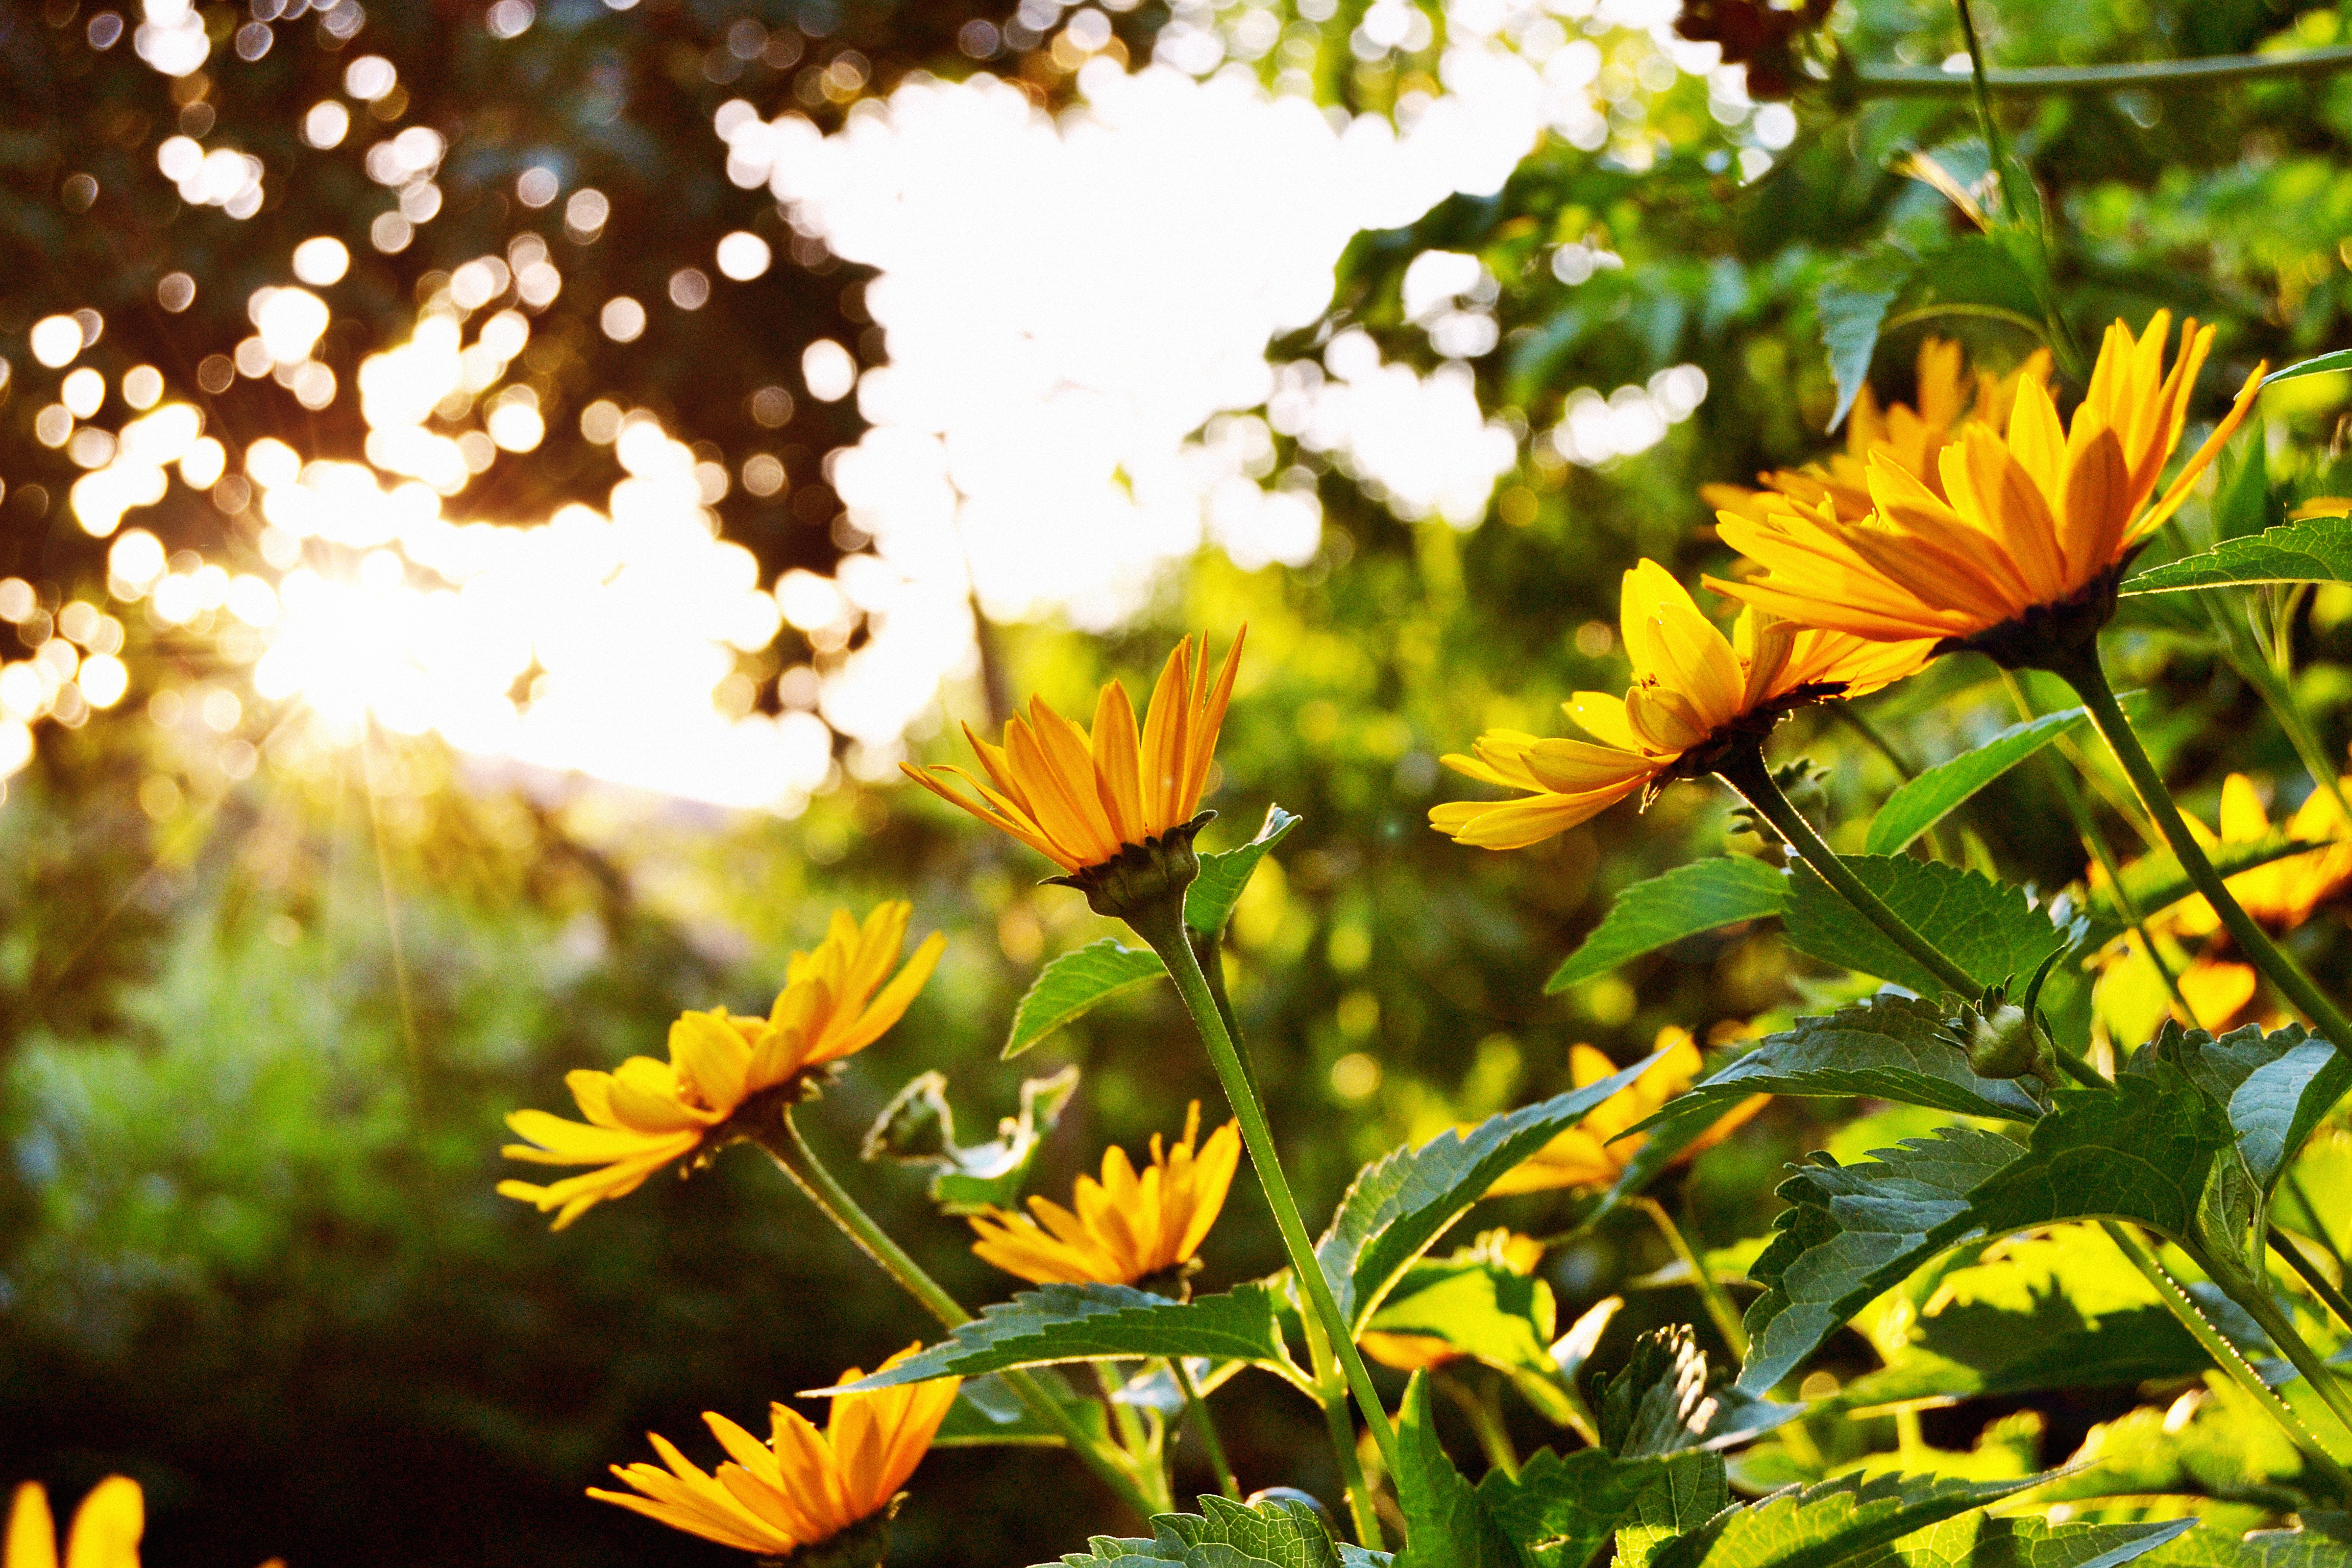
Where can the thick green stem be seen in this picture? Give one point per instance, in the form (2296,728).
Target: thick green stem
(2089,679)
(2253,1294)
(1746,773)
(1204,1427)
(1161,924)
(799,1162)
(2291,1248)
(1710,1290)
(1141,1462)
(1333,1385)
(2225,1355)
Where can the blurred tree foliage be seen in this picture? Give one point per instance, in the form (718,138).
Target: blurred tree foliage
(258,1036)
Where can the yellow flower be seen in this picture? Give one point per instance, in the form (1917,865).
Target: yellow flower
(1078,799)
(1128,1226)
(1910,438)
(1585,1156)
(803,1487)
(1691,689)
(2026,521)
(106,1527)
(1420,1353)
(648,1114)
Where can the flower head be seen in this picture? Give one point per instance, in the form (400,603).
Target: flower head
(1078,798)
(106,1527)
(2032,521)
(1128,1226)
(1910,438)
(648,1114)
(802,1487)
(1691,687)
(1590,1153)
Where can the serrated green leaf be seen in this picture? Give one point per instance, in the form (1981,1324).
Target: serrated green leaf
(1981,1540)
(1664,1401)
(1401,1203)
(1990,930)
(1209,901)
(2276,1086)
(1075,984)
(1830,1522)
(2142,1151)
(2305,1548)
(2316,549)
(1687,900)
(2319,364)
(986,1414)
(918,1128)
(1927,800)
(1851,1231)
(1273,1533)
(1095,1322)
(1850,321)
(1886,1047)
(1560,1511)
(1481,1307)
(1446,1526)
(1693,1490)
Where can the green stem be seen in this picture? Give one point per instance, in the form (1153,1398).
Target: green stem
(1975,313)
(2089,679)
(2311,1212)
(2225,1355)
(1746,773)
(799,1162)
(1994,146)
(1719,1308)
(1486,1421)
(2032,81)
(1134,1439)
(1333,1385)
(2252,1294)
(1204,1427)
(2276,689)
(1161,924)
(2291,1248)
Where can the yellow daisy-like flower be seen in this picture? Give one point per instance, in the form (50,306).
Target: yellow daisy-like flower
(1586,1156)
(1910,438)
(106,1527)
(2038,518)
(803,1487)
(1078,798)
(1692,687)
(1128,1226)
(648,1114)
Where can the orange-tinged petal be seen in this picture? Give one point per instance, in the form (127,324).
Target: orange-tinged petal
(31,1533)
(107,1526)
(1116,746)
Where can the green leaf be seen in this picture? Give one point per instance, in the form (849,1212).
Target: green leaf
(2141,1151)
(1982,1540)
(1885,1048)
(2316,550)
(987,1414)
(1446,1526)
(1851,1231)
(2243,506)
(1687,900)
(1209,901)
(1850,322)
(2276,1086)
(2227,1448)
(1693,1490)
(1560,1511)
(2320,365)
(2155,881)
(2305,1548)
(1077,983)
(1830,1522)
(1663,1400)
(1095,1322)
(1927,800)
(1480,1306)
(1989,929)
(918,1128)
(1401,1203)
(1273,1533)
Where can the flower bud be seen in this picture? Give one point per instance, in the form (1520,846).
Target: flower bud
(2000,1039)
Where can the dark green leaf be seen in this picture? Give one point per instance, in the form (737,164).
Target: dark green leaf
(1664,1401)
(2227,1448)
(2316,550)
(2276,1086)
(918,1127)
(1401,1203)
(1851,1231)
(1990,930)
(2243,506)
(1209,901)
(2155,880)
(1850,321)
(1692,1490)
(2305,1548)
(1561,1510)
(2320,365)
(1979,1352)
(1830,1523)
(1927,800)
(1274,1532)
(1446,1526)
(2141,1151)
(1888,1047)
(1687,900)
(1075,983)
(1982,1540)
(1095,1322)
(986,1413)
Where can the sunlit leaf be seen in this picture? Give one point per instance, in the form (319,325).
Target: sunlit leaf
(2319,364)
(1850,321)
(1693,1490)
(1446,1526)
(1687,900)
(1561,1510)
(2305,1548)
(1810,1527)
(1077,983)
(2276,1086)
(1927,800)
(2316,550)
(918,1127)
(1209,901)
(2155,880)
(1982,1540)
(1273,1533)
(1990,930)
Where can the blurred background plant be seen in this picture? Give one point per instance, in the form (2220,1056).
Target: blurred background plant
(492,491)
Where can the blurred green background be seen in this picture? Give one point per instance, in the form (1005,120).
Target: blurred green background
(258,1034)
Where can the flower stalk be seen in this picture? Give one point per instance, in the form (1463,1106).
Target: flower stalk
(1204,1427)
(1719,1308)
(780,1137)
(1333,1384)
